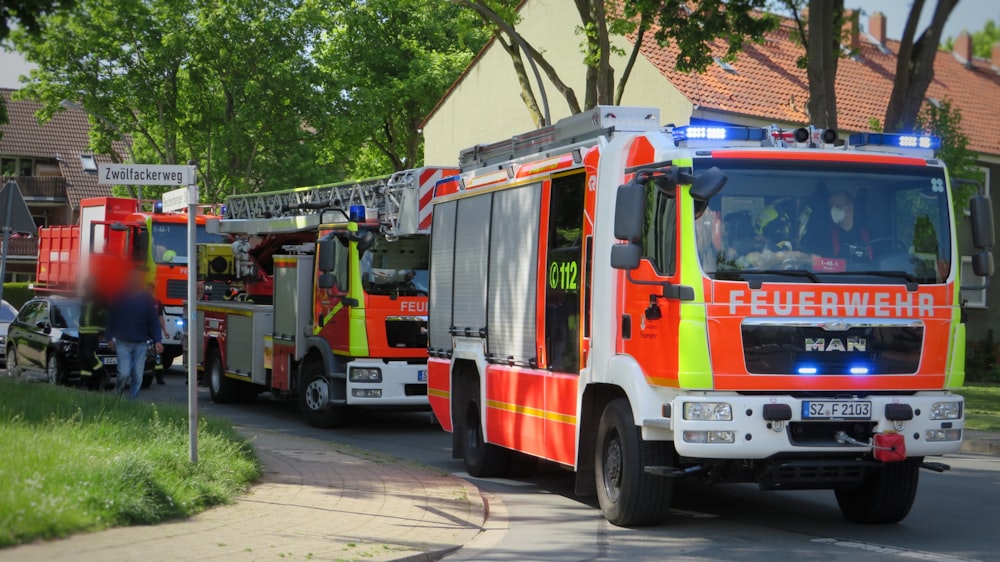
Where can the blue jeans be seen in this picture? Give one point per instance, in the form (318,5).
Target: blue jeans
(131,364)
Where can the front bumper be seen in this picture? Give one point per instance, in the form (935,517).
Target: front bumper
(403,384)
(754,437)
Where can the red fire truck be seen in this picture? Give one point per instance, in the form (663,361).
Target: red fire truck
(114,237)
(739,304)
(345,323)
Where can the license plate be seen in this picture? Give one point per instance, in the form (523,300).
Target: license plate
(109,360)
(421,376)
(836,410)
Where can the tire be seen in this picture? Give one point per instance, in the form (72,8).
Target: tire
(52,373)
(12,369)
(167,361)
(314,393)
(886,496)
(482,459)
(223,389)
(629,497)
(147,379)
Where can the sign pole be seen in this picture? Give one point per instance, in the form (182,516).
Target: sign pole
(192,312)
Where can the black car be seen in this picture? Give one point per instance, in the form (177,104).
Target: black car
(44,340)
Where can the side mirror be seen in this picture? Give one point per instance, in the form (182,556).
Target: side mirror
(630,212)
(142,244)
(119,227)
(707,184)
(325,252)
(43,326)
(981,221)
(626,256)
(327,281)
(366,240)
(982,263)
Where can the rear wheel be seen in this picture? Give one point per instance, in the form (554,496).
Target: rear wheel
(12,369)
(315,392)
(886,496)
(482,459)
(629,497)
(223,389)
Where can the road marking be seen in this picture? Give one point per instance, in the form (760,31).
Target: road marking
(504,481)
(901,552)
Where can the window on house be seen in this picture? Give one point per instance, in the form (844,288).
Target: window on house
(25,167)
(973,298)
(8,166)
(89,163)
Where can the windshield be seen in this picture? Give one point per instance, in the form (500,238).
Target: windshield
(66,315)
(7,312)
(170,242)
(810,222)
(396,267)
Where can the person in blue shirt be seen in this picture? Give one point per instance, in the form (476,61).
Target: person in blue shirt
(132,322)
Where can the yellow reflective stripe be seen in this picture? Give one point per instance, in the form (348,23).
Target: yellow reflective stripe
(439,393)
(328,317)
(528,411)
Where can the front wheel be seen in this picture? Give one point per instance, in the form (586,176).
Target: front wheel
(886,496)
(52,374)
(12,369)
(315,392)
(628,495)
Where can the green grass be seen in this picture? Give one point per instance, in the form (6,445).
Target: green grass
(74,461)
(982,406)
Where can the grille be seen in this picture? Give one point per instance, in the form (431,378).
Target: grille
(406,332)
(176,289)
(813,474)
(887,350)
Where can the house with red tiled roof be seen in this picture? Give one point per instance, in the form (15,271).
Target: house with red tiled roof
(763,86)
(47,162)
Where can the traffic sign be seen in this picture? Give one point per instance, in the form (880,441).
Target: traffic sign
(143,174)
(14,211)
(176,199)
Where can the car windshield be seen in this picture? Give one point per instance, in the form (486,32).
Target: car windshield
(7,312)
(810,221)
(396,267)
(170,242)
(66,315)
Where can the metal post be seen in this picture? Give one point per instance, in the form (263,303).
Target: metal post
(192,313)
(6,237)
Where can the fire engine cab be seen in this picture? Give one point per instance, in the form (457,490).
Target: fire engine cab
(643,304)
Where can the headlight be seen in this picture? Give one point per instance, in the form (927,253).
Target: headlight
(708,411)
(366,374)
(946,411)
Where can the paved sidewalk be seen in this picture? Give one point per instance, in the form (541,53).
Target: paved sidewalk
(986,442)
(315,500)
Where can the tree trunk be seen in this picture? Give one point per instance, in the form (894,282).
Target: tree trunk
(627,72)
(605,74)
(915,67)
(822,46)
(527,92)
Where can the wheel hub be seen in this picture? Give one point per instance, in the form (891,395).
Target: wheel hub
(317,395)
(613,466)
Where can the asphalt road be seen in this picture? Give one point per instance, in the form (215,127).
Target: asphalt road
(956,515)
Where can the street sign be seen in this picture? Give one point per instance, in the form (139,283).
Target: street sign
(14,211)
(176,200)
(143,174)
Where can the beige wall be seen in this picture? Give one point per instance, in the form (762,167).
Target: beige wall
(486,105)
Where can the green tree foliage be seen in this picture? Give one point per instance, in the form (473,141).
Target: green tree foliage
(26,13)
(693,27)
(982,40)
(384,64)
(945,120)
(229,85)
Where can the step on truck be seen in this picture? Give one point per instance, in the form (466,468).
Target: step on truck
(330,301)
(736,304)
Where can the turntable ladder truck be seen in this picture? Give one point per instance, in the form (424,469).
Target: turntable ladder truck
(346,323)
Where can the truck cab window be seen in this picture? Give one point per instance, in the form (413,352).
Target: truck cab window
(659,241)
(564,274)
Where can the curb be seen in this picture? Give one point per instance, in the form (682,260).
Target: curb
(494,529)
(988,444)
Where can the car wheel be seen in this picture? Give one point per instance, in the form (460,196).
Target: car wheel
(314,394)
(222,389)
(52,375)
(12,369)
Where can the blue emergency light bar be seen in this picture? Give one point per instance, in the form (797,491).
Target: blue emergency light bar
(698,132)
(357,213)
(895,140)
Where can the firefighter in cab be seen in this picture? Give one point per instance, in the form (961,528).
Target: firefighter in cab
(93,316)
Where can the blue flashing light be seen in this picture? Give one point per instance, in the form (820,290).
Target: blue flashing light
(807,370)
(857,370)
(158,207)
(692,132)
(357,213)
(925,142)
(222,210)
(180,322)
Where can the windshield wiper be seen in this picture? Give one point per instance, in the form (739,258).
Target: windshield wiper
(911,281)
(787,272)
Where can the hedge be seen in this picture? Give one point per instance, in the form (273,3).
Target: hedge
(18,293)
